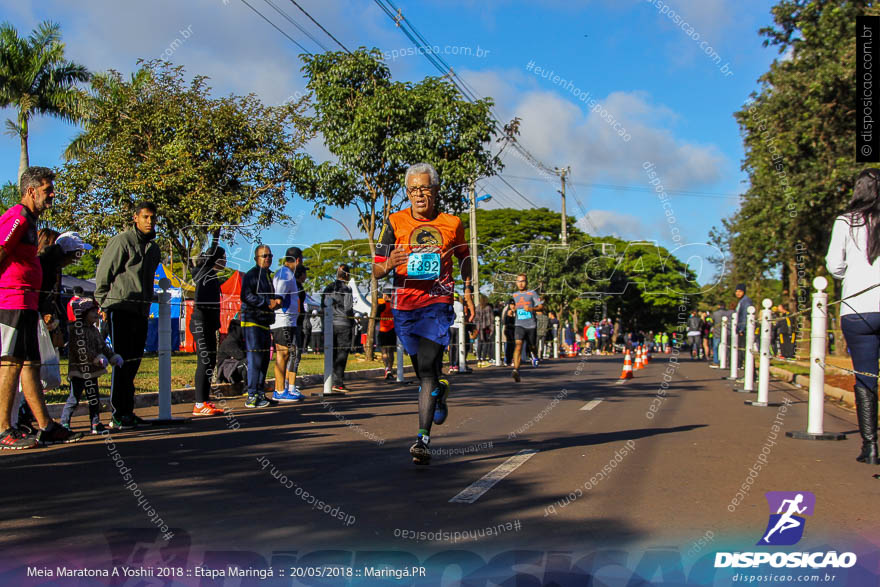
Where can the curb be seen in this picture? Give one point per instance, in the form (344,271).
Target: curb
(187,395)
(832,392)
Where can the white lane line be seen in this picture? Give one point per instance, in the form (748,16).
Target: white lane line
(592,404)
(481,486)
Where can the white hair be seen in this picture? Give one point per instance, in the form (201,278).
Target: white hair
(420,168)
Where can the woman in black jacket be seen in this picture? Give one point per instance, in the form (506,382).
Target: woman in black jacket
(204,324)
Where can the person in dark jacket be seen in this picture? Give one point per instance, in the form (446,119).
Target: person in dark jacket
(258,303)
(124,290)
(742,314)
(340,298)
(784,333)
(205,323)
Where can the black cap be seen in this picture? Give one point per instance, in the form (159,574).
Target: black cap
(293,253)
(741,287)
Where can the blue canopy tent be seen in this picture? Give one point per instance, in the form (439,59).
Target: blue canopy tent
(152,345)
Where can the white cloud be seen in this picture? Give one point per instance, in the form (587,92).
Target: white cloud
(610,223)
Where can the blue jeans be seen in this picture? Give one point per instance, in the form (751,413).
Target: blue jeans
(862,334)
(716,342)
(257,341)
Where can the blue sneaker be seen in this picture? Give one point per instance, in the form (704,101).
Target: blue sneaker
(287,396)
(296,394)
(441,408)
(534,361)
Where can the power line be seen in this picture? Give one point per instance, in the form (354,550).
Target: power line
(630,188)
(321,27)
(296,24)
(292,40)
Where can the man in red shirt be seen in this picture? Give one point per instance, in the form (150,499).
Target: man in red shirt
(418,244)
(20,280)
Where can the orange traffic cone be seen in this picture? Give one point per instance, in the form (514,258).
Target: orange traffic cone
(647,355)
(627,372)
(640,362)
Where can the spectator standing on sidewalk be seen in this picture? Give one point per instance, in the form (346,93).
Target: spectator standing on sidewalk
(20,279)
(317,322)
(742,315)
(854,256)
(284,328)
(340,298)
(204,325)
(258,304)
(124,290)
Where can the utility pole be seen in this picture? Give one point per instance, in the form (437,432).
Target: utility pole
(562,172)
(473,223)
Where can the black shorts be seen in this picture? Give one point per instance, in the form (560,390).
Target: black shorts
(284,336)
(530,335)
(18,334)
(387,338)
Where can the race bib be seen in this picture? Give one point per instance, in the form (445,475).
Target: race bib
(423,266)
(523,314)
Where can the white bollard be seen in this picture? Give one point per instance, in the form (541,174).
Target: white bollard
(734,352)
(328,346)
(462,346)
(764,365)
(722,347)
(164,352)
(819,319)
(749,362)
(498,362)
(556,341)
(400,377)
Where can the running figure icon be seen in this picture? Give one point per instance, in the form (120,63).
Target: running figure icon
(786,521)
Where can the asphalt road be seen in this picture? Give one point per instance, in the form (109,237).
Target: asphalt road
(581,463)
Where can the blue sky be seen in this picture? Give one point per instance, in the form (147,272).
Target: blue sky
(641,62)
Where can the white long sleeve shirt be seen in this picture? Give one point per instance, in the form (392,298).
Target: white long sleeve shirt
(847,259)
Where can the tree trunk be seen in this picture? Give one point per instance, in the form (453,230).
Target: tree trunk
(23,161)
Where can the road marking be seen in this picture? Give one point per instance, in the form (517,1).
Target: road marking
(592,404)
(481,486)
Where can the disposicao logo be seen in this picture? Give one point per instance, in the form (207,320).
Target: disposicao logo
(786,528)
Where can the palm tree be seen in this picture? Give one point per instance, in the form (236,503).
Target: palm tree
(36,79)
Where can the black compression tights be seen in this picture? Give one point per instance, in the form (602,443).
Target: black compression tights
(427,364)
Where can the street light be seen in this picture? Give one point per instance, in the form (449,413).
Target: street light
(340,224)
(484,198)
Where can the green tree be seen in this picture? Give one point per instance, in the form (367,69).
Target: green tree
(798,134)
(376,127)
(213,166)
(35,78)
(322,259)
(10,195)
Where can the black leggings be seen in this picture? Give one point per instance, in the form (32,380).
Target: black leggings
(205,339)
(428,364)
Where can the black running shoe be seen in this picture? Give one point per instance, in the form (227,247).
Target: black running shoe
(15,439)
(420,453)
(515,375)
(56,434)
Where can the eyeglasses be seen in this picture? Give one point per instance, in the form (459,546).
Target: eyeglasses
(420,189)
(267,256)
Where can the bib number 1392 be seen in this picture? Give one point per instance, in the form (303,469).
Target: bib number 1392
(423,266)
